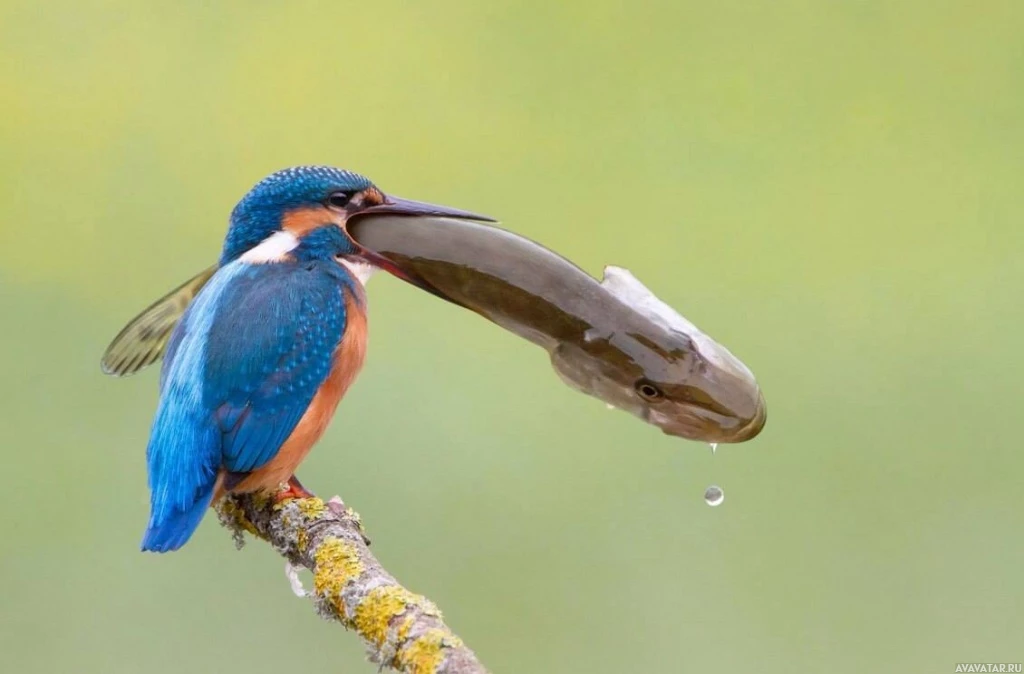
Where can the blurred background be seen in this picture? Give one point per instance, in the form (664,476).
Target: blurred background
(832,190)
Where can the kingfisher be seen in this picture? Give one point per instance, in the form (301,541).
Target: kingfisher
(261,358)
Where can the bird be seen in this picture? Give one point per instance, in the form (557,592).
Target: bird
(256,367)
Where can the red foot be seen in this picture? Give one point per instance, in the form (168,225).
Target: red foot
(295,490)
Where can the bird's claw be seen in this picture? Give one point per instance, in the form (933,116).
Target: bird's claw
(292,490)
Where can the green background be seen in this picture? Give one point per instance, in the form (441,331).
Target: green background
(831,189)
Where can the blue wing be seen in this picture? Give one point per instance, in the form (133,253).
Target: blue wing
(241,369)
(269,351)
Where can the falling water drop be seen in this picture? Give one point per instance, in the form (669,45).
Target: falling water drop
(714,495)
(714,447)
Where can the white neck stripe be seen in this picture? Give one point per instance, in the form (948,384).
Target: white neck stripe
(273,248)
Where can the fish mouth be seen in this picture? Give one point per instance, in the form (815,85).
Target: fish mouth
(754,426)
(698,423)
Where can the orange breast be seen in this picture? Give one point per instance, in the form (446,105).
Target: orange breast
(348,360)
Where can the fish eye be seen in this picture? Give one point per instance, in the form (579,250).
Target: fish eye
(648,391)
(340,199)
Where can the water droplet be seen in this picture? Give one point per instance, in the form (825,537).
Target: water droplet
(714,495)
(714,447)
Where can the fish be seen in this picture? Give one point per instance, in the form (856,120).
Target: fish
(612,339)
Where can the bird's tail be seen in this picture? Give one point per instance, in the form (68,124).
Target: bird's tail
(174,529)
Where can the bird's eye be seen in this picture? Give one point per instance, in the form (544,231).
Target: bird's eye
(340,199)
(648,391)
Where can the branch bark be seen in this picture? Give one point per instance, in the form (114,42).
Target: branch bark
(402,631)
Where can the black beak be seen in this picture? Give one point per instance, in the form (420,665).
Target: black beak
(408,207)
(396,206)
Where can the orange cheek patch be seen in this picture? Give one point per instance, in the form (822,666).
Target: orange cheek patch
(301,221)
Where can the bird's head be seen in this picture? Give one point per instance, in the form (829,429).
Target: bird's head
(315,204)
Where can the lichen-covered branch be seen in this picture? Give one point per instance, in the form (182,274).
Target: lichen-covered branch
(402,630)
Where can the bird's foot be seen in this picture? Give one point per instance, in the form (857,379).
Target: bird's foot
(293,490)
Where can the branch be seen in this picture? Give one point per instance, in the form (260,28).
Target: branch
(402,631)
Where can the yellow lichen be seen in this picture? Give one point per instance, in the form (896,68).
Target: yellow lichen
(311,507)
(425,654)
(382,605)
(403,629)
(355,517)
(301,540)
(236,515)
(337,562)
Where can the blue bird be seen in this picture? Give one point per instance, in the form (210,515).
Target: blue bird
(261,358)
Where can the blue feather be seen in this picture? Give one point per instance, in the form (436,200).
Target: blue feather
(269,350)
(175,529)
(259,213)
(243,366)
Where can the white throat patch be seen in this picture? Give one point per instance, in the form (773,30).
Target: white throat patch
(273,248)
(361,270)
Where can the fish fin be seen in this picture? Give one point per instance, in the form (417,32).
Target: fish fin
(621,283)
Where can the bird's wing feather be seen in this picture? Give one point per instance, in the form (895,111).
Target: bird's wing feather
(142,342)
(269,350)
(241,370)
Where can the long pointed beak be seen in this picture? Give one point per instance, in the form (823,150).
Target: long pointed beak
(396,206)
(399,206)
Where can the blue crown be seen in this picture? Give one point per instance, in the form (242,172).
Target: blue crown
(259,213)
